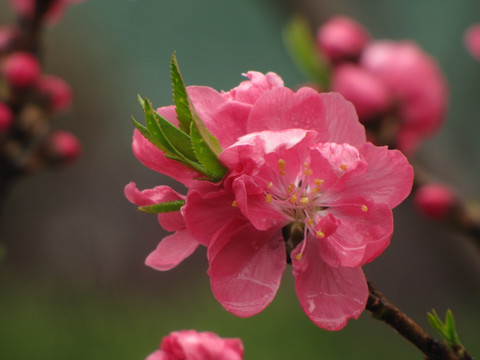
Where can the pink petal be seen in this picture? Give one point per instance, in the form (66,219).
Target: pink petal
(388,178)
(208,208)
(281,109)
(472,40)
(224,119)
(342,121)
(172,250)
(363,232)
(249,91)
(171,221)
(150,156)
(329,296)
(245,274)
(158,355)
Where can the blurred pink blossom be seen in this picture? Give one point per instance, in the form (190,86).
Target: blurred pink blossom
(472,40)
(435,200)
(193,345)
(63,147)
(341,38)
(57,90)
(6,117)
(21,69)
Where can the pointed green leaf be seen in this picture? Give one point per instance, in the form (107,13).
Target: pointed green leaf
(164,207)
(186,112)
(180,96)
(146,133)
(205,155)
(302,47)
(446,329)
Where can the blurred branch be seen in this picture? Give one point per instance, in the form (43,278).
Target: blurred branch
(382,309)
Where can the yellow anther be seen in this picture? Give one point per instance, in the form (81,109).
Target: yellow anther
(310,222)
(270,185)
(307,170)
(364,208)
(281,166)
(290,188)
(293,198)
(318,181)
(343,167)
(317,189)
(320,234)
(268,198)
(304,201)
(234,203)
(299,256)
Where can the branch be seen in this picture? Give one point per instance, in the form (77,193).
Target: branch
(382,309)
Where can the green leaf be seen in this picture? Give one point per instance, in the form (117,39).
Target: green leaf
(205,155)
(146,133)
(186,112)
(164,207)
(446,329)
(180,96)
(302,47)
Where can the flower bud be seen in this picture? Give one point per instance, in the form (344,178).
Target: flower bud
(21,69)
(192,345)
(57,90)
(472,40)
(435,200)
(367,92)
(62,147)
(6,117)
(341,38)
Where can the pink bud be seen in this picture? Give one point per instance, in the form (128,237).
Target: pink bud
(21,69)
(6,117)
(58,91)
(368,93)
(472,40)
(435,200)
(192,345)
(63,146)
(342,38)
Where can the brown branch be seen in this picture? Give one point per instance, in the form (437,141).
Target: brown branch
(382,309)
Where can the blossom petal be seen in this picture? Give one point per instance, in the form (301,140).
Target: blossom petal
(388,178)
(245,274)
(342,121)
(225,119)
(171,221)
(172,250)
(153,158)
(329,296)
(250,90)
(363,233)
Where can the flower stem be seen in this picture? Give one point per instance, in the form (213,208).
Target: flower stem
(382,309)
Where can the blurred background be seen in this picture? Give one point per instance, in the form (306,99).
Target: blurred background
(73,284)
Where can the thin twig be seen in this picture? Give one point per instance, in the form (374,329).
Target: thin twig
(382,309)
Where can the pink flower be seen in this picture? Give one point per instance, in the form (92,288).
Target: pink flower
(417,84)
(63,147)
(193,345)
(54,13)
(342,38)
(302,185)
(57,90)
(472,40)
(6,117)
(370,95)
(21,69)
(435,200)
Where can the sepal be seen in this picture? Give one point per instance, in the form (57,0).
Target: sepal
(167,206)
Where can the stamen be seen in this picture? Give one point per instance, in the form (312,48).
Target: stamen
(307,170)
(299,256)
(343,167)
(310,222)
(320,234)
(364,208)
(270,185)
(290,188)
(319,183)
(293,199)
(234,203)
(304,200)
(281,166)
(268,198)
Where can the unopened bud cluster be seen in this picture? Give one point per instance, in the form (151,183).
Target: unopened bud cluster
(398,90)
(29,101)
